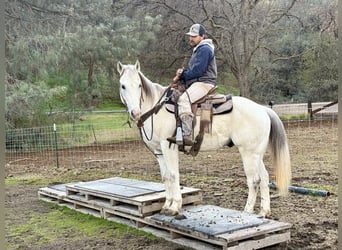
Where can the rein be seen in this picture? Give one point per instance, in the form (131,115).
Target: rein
(150,112)
(153,110)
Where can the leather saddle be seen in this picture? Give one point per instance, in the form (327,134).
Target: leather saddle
(218,103)
(211,104)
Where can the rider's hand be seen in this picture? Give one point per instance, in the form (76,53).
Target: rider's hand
(174,84)
(179,72)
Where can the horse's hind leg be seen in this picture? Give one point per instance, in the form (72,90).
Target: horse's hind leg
(265,208)
(257,178)
(251,163)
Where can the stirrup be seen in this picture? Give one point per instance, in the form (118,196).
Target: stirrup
(187,140)
(172,139)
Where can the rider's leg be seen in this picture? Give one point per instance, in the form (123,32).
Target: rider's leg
(195,92)
(187,119)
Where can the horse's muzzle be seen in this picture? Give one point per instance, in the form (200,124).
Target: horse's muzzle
(135,114)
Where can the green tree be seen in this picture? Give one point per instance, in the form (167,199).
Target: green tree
(79,51)
(299,64)
(238,27)
(25,102)
(90,55)
(284,50)
(318,70)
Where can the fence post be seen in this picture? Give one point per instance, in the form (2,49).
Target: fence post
(56,144)
(310,109)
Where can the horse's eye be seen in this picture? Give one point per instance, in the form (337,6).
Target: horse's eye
(139,85)
(123,87)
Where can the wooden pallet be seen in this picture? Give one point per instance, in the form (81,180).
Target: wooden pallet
(141,211)
(138,206)
(141,205)
(50,194)
(140,201)
(256,237)
(58,197)
(146,226)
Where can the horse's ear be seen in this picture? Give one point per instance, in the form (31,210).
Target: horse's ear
(119,67)
(137,65)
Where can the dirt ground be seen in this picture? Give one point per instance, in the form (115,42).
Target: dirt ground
(313,147)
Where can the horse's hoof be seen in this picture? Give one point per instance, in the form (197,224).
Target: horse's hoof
(169,212)
(264,214)
(180,217)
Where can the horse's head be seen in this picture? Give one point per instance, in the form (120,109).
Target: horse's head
(131,88)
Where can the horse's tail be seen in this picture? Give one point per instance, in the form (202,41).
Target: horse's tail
(280,152)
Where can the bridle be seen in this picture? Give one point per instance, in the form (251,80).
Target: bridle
(154,110)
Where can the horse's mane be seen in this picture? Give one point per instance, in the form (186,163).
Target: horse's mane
(148,86)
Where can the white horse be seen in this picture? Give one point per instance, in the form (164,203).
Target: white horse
(250,126)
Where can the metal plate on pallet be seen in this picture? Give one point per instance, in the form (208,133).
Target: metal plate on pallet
(155,186)
(121,187)
(61,187)
(210,220)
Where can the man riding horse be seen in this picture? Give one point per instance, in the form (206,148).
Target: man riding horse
(197,80)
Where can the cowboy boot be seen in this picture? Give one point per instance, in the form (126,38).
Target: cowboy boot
(187,129)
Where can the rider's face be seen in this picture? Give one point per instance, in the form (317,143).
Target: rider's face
(194,40)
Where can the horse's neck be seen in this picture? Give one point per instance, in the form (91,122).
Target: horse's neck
(153,92)
(149,101)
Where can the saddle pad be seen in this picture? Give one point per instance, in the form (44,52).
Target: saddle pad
(223,108)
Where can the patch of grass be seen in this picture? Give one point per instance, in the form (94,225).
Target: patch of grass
(100,121)
(105,120)
(294,116)
(319,186)
(42,228)
(25,179)
(29,179)
(109,105)
(96,128)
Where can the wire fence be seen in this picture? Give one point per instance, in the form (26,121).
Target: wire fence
(112,144)
(65,136)
(66,144)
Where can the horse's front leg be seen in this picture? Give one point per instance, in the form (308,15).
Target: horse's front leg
(169,169)
(166,181)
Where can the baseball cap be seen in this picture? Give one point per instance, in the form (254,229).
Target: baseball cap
(196,30)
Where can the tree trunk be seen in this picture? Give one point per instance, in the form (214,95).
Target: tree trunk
(91,100)
(244,85)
